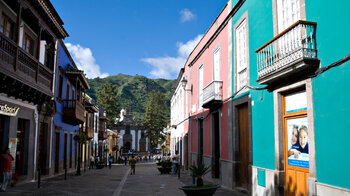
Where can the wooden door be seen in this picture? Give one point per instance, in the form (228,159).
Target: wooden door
(70,149)
(216,145)
(20,146)
(42,147)
(243,144)
(200,143)
(296,149)
(57,151)
(65,151)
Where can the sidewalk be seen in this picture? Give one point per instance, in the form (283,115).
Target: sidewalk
(116,182)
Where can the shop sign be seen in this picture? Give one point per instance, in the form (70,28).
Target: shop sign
(13,149)
(8,111)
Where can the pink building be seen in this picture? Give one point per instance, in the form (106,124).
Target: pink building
(207,83)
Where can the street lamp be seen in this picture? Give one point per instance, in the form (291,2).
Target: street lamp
(184,83)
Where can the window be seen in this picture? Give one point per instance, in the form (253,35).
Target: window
(241,62)
(28,44)
(200,86)
(67,90)
(6,27)
(288,12)
(217,64)
(73,94)
(60,86)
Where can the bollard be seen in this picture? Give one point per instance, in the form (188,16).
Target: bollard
(65,173)
(178,173)
(39,176)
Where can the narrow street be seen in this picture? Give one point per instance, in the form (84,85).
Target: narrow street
(116,181)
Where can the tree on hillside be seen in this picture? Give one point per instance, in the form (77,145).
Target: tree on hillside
(107,98)
(156,118)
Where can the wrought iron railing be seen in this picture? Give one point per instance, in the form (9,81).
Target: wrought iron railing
(296,42)
(213,91)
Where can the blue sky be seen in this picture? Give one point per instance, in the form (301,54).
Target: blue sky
(146,37)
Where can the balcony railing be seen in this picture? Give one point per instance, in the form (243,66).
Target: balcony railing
(73,112)
(294,45)
(23,66)
(212,94)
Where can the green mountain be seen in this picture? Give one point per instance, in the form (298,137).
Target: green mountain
(133,91)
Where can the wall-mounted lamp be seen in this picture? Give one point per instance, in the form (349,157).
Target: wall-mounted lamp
(184,83)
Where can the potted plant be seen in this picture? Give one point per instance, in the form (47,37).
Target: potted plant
(200,189)
(165,167)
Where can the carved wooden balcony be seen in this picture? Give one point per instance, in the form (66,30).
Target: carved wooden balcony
(289,55)
(212,95)
(102,135)
(20,68)
(89,132)
(73,112)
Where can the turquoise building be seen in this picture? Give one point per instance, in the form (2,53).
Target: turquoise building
(290,70)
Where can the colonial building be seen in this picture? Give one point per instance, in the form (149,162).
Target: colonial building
(71,118)
(102,135)
(265,87)
(133,134)
(112,142)
(29,31)
(178,118)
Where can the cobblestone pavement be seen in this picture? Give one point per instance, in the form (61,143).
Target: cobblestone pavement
(116,182)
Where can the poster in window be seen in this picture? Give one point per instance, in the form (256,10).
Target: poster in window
(13,149)
(298,142)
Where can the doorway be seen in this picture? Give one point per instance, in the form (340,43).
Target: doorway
(22,128)
(42,147)
(296,143)
(243,135)
(65,151)
(200,141)
(216,146)
(57,151)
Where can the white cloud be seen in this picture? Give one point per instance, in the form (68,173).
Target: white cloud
(186,15)
(168,67)
(85,61)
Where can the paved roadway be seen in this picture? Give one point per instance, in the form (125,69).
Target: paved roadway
(115,182)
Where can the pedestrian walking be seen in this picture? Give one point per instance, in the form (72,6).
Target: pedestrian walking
(110,159)
(175,160)
(92,162)
(132,163)
(6,160)
(125,160)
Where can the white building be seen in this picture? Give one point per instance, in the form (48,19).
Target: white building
(178,131)
(133,134)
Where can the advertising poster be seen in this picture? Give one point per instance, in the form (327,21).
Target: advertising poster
(298,142)
(13,148)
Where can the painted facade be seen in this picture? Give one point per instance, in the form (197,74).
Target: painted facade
(27,71)
(268,131)
(69,113)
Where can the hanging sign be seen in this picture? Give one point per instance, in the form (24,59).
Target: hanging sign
(8,111)
(13,149)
